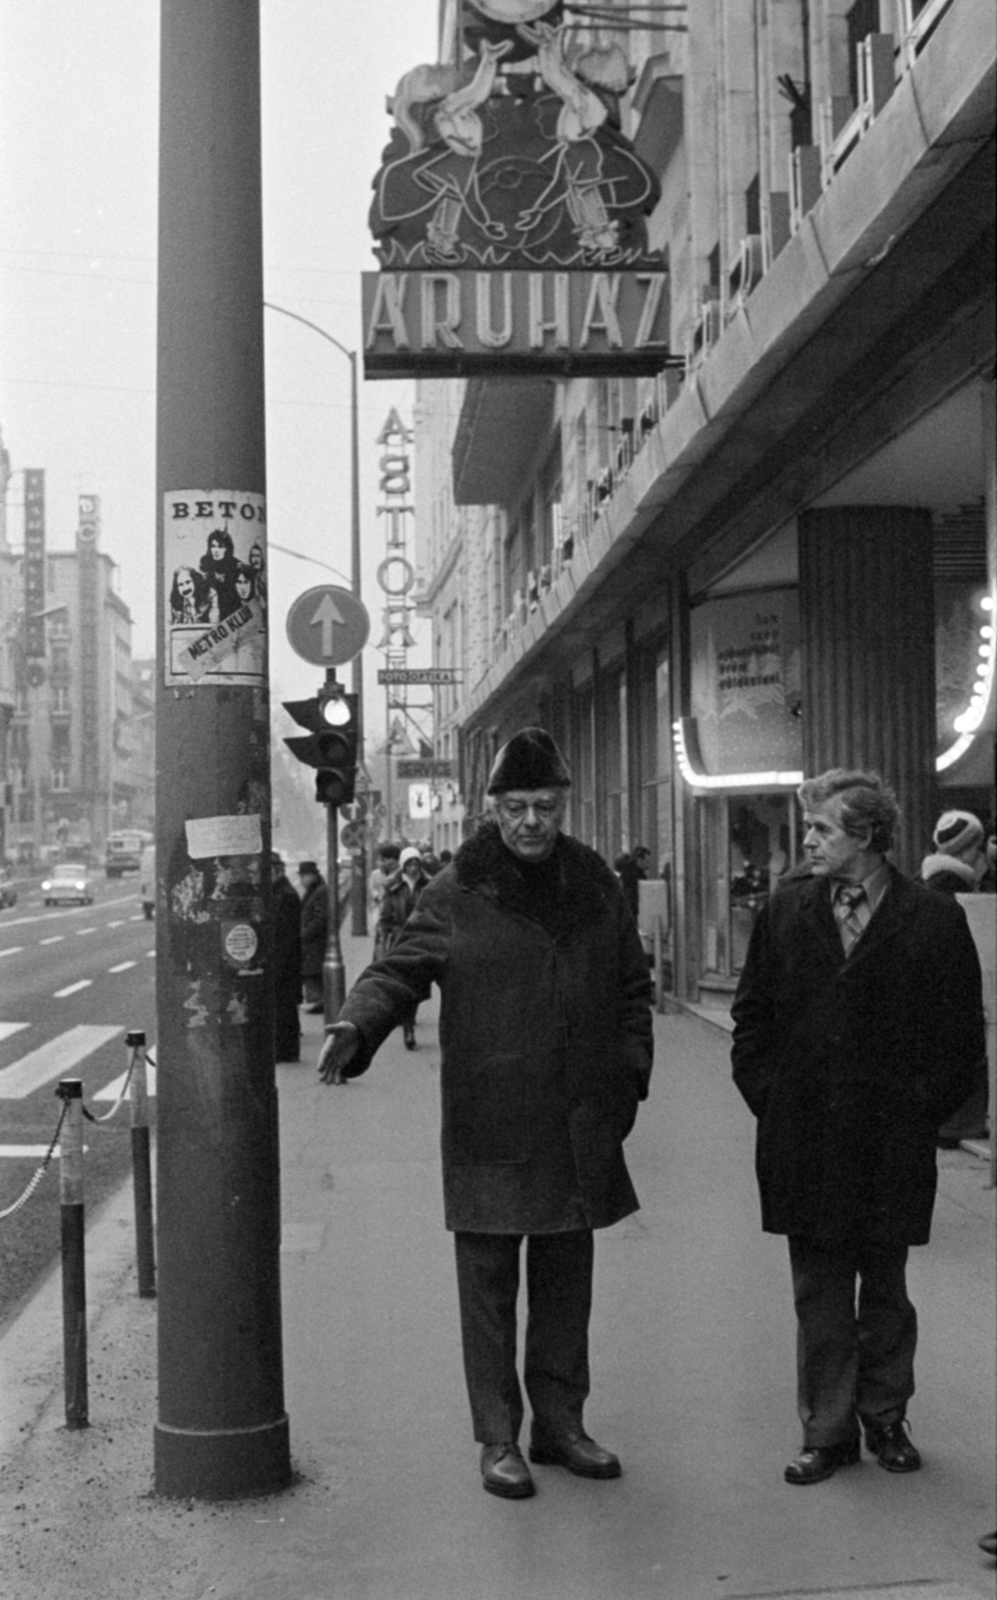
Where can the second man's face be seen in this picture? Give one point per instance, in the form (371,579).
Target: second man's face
(529,821)
(831,852)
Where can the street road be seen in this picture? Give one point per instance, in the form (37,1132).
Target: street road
(73,981)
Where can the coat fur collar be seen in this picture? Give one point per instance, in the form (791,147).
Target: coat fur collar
(483,865)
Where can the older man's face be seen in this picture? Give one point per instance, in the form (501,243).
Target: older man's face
(529,821)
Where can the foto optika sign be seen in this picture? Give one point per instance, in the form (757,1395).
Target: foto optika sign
(463,324)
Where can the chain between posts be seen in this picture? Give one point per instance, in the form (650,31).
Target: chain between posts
(36,1179)
(38,1175)
(119,1102)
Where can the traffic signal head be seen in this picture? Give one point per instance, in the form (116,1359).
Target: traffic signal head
(331,746)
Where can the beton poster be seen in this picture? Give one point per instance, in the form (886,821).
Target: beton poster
(215,587)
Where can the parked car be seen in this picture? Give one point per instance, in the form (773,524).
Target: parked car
(8,888)
(147,882)
(68,881)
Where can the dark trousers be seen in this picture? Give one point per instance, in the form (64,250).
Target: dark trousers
(854,1353)
(559,1303)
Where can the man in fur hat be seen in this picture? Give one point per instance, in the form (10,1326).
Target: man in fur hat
(545,1034)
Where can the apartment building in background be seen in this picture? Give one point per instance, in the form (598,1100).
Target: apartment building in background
(77,723)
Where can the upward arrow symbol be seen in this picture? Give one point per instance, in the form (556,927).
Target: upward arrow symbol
(326,617)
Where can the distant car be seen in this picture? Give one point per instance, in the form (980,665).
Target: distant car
(8,888)
(68,880)
(123,851)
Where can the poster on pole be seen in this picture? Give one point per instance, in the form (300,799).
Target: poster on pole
(215,587)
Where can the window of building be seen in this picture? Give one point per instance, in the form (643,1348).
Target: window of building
(863,19)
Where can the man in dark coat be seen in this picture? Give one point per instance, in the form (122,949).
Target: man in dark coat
(631,869)
(546,1041)
(286,912)
(858,1023)
(314,931)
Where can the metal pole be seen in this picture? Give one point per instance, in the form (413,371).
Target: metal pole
(333,971)
(145,1254)
(358,885)
(222,1431)
(74,1287)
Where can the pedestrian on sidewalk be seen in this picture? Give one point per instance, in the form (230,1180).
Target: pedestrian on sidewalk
(546,1040)
(401,896)
(286,908)
(858,1022)
(956,865)
(314,932)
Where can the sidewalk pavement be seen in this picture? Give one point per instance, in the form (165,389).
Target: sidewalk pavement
(693,1368)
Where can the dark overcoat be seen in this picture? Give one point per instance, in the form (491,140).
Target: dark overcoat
(314,928)
(850,1064)
(545,1040)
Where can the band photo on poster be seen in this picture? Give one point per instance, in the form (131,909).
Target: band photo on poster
(215,587)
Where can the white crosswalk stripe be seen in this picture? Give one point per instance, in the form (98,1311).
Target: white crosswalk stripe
(112,1090)
(7,1029)
(55,1059)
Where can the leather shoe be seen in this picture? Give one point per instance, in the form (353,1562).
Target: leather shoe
(504,1472)
(816,1462)
(892,1448)
(576,1451)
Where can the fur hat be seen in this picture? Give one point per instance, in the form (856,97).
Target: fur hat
(410,853)
(956,831)
(530,760)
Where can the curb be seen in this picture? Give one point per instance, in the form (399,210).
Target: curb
(31,1353)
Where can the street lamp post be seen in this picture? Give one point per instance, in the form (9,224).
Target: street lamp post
(358,886)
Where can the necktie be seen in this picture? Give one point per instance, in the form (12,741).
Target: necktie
(846,904)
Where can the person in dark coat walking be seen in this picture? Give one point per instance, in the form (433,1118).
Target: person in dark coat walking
(956,866)
(546,1043)
(631,869)
(314,931)
(401,896)
(858,1021)
(286,911)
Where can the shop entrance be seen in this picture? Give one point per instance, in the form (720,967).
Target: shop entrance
(747,843)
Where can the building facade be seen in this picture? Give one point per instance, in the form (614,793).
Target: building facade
(777,555)
(76,712)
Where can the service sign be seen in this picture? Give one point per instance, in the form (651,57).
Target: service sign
(463,324)
(510,211)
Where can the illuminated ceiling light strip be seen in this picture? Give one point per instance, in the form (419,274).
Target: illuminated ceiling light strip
(728,780)
(968,723)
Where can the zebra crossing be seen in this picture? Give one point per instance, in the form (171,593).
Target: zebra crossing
(58,1057)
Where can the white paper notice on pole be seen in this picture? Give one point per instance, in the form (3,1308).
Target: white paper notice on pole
(215,587)
(224,836)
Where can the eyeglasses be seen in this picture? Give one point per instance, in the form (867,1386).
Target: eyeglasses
(516,810)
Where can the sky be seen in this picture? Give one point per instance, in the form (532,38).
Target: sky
(78,177)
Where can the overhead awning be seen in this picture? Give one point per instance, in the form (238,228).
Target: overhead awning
(503,422)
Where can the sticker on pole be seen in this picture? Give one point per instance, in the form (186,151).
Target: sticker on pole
(327,625)
(215,587)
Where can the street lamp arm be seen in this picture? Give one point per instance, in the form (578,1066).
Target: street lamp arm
(299,556)
(350,354)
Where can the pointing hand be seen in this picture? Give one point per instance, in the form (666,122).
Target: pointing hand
(341,1044)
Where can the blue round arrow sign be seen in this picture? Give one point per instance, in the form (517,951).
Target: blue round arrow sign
(327,625)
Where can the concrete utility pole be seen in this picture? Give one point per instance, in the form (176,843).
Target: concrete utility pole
(222,1430)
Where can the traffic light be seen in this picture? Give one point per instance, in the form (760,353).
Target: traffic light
(331,744)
